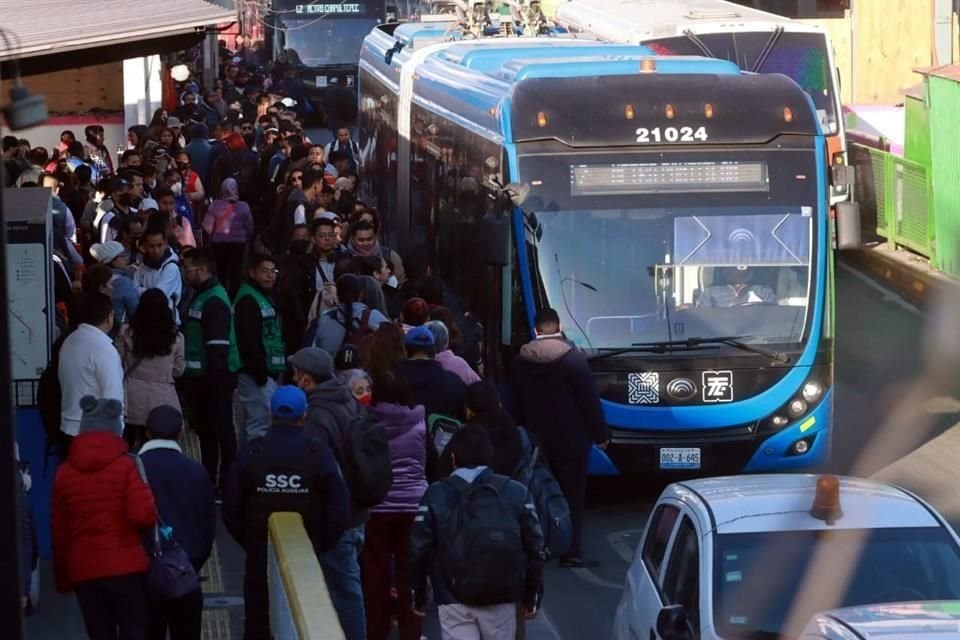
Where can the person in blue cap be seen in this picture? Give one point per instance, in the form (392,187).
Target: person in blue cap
(284,470)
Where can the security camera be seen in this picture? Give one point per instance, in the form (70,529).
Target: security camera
(24,110)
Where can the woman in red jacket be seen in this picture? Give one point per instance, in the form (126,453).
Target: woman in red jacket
(100,506)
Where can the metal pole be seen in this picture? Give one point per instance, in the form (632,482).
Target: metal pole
(11,613)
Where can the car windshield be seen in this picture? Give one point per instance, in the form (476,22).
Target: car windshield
(759,575)
(802,57)
(328,41)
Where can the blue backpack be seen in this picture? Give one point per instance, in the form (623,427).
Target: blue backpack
(552,507)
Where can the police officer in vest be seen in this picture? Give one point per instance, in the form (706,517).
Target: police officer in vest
(208,382)
(260,356)
(282,471)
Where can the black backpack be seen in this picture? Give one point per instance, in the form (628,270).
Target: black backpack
(366,461)
(49,396)
(553,510)
(483,561)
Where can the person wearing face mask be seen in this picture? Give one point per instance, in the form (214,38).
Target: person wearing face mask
(360,385)
(181,201)
(114,211)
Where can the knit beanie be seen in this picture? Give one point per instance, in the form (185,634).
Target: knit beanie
(103,414)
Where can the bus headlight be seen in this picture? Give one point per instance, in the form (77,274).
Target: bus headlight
(796,408)
(779,421)
(812,390)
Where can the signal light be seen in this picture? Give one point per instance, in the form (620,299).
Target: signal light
(648,65)
(541,119)
(787,114)
(669,112)
(826,500)
(708,110)
(628,112)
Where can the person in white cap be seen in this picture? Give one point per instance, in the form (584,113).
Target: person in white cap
(125,296)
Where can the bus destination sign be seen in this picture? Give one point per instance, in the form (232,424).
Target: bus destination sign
(325,9)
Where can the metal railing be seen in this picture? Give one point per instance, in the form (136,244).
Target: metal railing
(895,197)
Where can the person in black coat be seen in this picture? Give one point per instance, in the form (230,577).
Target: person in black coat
(185,502)
(282,471)
(554,395)
(438,390)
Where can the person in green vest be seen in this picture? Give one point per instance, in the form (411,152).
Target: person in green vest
(208,381)
(259,357)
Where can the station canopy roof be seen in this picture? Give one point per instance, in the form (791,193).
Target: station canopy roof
(49,35)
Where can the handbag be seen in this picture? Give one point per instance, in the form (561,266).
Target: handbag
(171,573)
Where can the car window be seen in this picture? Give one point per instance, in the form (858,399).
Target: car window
(681,584)
(658,535)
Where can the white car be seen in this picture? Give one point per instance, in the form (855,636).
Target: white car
(756,557)
(896,620)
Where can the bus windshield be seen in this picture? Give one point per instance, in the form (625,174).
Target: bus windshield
(328,41)
(640,268)
(801,56)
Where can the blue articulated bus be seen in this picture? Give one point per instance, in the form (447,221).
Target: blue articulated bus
(673,210)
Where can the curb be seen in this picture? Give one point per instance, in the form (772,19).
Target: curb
(906,273)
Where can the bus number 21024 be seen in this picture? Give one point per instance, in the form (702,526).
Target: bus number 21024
(672,134)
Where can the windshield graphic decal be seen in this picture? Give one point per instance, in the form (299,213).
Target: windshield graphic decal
(779,239)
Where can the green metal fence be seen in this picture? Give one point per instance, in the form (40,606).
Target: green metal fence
(895,198)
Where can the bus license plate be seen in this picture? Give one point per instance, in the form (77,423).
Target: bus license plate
(680,458)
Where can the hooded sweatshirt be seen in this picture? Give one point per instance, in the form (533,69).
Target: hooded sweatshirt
(164,275)
(554,395)
(407,432)
(330,409)
(100,504)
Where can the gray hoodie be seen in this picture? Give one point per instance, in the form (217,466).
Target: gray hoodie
(330,408)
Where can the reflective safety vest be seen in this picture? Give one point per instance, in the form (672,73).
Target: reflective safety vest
(270,332)
(195,348)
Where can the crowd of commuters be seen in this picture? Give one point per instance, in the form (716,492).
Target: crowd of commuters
(224,275)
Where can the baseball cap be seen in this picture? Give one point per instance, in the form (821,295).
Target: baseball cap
(149,203)
(173,122)
(288,102)
(415,312)
(419,337)
(314,361)
(288,403)
(118,184)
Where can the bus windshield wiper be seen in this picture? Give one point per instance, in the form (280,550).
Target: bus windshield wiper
(699,44)
(767,48)
(731,341)
(653,347)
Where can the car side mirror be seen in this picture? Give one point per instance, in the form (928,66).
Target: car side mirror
(673,623)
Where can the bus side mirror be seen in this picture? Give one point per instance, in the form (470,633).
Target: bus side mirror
(842,175)
(496,239)
(848,225)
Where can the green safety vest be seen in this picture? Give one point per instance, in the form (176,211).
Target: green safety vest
(195,348)
(272,337)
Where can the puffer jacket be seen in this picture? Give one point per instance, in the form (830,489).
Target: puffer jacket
(407,431)
(100,505)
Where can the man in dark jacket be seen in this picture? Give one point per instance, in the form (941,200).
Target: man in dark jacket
(554,396)
(438,390)
(282,471)
(435,535)
(184,496)
(260,356)
(330,409)
(207,381)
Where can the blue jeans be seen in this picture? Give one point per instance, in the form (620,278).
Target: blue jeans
(254,407)
(341,572)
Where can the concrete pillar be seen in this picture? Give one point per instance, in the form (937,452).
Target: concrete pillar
(211,52)
(142,90)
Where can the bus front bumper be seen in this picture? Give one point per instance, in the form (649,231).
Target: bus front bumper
(723,451)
